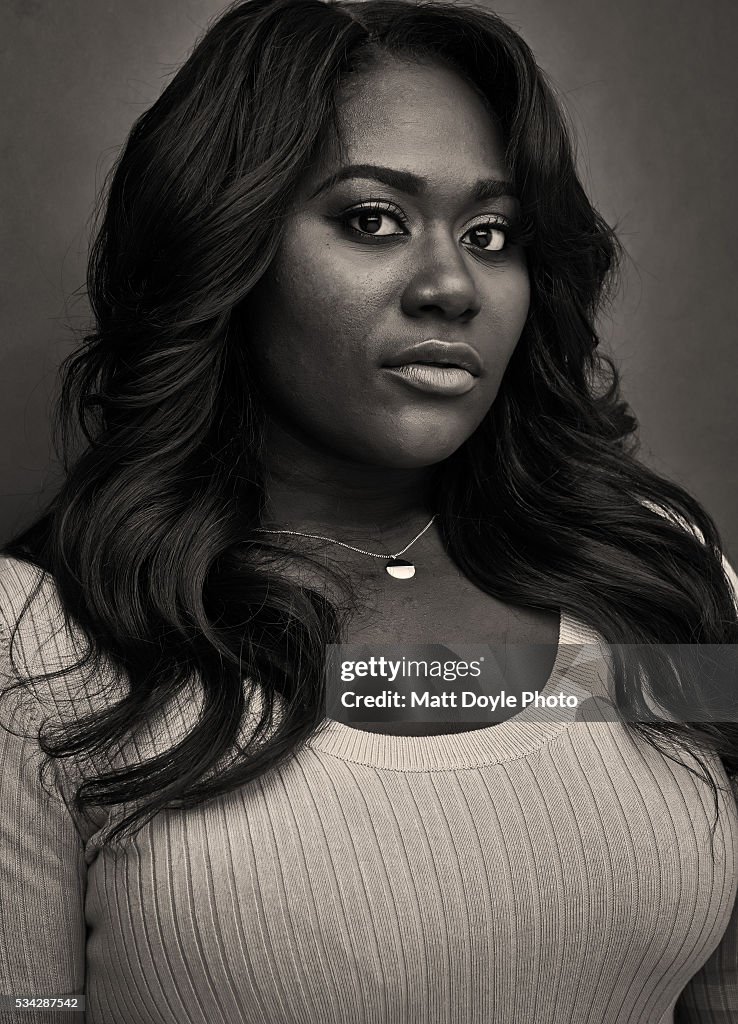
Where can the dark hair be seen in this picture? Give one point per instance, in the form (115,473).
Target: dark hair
(150,540)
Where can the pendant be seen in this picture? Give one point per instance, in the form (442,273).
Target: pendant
(400,569)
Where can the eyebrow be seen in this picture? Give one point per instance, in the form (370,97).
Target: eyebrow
(412,184)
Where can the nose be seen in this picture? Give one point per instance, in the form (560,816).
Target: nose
(441,283)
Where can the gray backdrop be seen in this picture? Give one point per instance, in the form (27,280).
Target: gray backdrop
(650,88)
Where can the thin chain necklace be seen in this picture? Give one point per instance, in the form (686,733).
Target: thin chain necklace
(397,567)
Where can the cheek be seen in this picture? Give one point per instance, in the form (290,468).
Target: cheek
(512,299)
(308,327)
(508,309)
(342,297)
(322,305)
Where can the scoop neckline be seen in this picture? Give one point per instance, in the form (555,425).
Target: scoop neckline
(522,734)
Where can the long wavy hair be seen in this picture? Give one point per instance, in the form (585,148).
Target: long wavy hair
(151,542)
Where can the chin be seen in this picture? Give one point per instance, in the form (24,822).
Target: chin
(413,452)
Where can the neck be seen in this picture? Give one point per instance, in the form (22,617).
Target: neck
(322,492)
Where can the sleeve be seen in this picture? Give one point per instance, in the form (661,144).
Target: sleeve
(711,996)
(42,869)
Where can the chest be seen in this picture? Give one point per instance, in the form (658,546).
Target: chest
(444,606)
(328,889)
(453,611)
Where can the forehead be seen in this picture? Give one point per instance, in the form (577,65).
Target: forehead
(420,115)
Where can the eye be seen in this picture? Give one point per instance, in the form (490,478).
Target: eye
(490,236)
(375,220)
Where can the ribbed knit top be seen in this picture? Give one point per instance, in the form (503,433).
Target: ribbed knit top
(547,869)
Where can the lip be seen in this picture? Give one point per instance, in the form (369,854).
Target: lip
(441,353)
(437,380)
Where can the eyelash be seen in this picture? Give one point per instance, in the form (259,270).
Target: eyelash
(512,230)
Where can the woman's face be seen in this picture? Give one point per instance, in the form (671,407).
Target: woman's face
(402,241)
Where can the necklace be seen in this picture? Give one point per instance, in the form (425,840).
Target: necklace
(397,567)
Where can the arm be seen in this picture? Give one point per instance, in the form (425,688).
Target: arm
(711,997)
(42,869)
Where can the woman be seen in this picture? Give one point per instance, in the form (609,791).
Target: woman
(328,205)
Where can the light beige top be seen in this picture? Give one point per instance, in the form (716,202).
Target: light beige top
(545,869)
